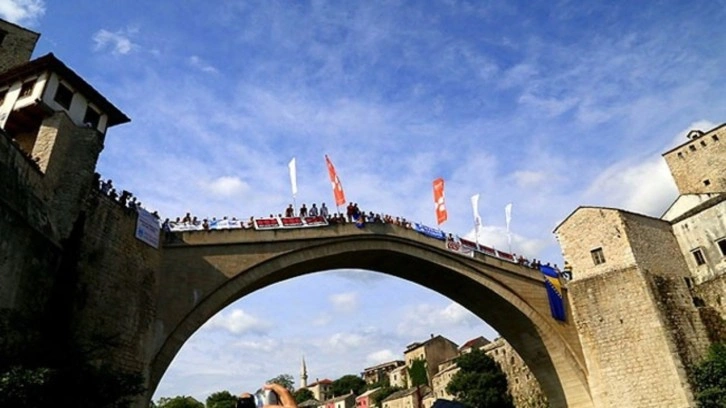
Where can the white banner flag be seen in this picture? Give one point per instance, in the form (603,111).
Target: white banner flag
(293,176)
(475,207)
(508,214)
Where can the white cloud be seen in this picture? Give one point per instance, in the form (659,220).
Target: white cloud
(22,11)
(226,186)
(423,319)
(382,356)
(322,320)
(345,302)
(202,65)
(118,42)
(266,345)
(644,187)
(238,321)
(527,178)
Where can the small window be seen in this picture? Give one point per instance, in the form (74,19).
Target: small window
(698,256)
(722,246)
(706,182)
(64,96)
(692,147)
(715,138)
(597,256)
(680,155)
(703,143)
(91,118)
(27,88)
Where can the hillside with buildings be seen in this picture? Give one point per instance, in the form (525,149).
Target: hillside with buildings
(439,354)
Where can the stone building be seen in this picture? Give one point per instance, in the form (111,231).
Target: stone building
(398,377)
(375,374)
(365,400)
(322,389)
(433,351)
(622,261)
(524,388)
(407,398)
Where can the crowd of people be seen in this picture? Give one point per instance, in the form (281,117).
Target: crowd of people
(126,199)
(353,214)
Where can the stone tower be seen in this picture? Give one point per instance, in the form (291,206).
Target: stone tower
(632,292)
(56,119)
(16,45)
(698,165)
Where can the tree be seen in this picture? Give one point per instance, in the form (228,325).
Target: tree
(710,378)
(419,376)
(286,380)
(221,399)
(181,401)
(480,382)
(348,383)
(302,395)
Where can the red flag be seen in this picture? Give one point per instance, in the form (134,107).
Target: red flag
(335,182)
(441,214)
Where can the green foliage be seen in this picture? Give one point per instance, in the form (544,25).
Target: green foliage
(417,373)
(221,399)
(480,382)
(348,383)
(302,395)
(286,380)
(383,382)
(384,393)
(710,378)
(181,401)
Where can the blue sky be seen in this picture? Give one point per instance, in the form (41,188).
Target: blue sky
(547,105)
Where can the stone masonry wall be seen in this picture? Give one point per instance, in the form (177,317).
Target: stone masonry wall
(29,248)
(524,388)
(17,46)
(118,284)
(630,357)
(700,160)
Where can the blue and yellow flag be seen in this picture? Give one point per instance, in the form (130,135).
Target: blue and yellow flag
(554,292)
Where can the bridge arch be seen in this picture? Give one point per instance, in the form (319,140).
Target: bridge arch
(510,298)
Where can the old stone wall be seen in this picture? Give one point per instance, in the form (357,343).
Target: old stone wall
(17,46)
(524,388)
(631,358)
(118,284)
(589,229)
(697,165)
(29,248)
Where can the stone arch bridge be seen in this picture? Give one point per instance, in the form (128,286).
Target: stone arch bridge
(204,271)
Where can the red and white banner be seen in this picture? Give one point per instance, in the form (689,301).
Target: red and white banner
(289,222)
(441,214)
(457,246)
(335,182)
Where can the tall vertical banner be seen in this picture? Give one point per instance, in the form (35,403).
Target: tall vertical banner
(477,217)
(335,182)
(508,219)
(441,214)
(293,176)
(554,292)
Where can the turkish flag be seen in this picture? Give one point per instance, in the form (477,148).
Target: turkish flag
(441,214)
(335,182)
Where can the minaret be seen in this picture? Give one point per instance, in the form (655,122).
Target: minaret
(303,375)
